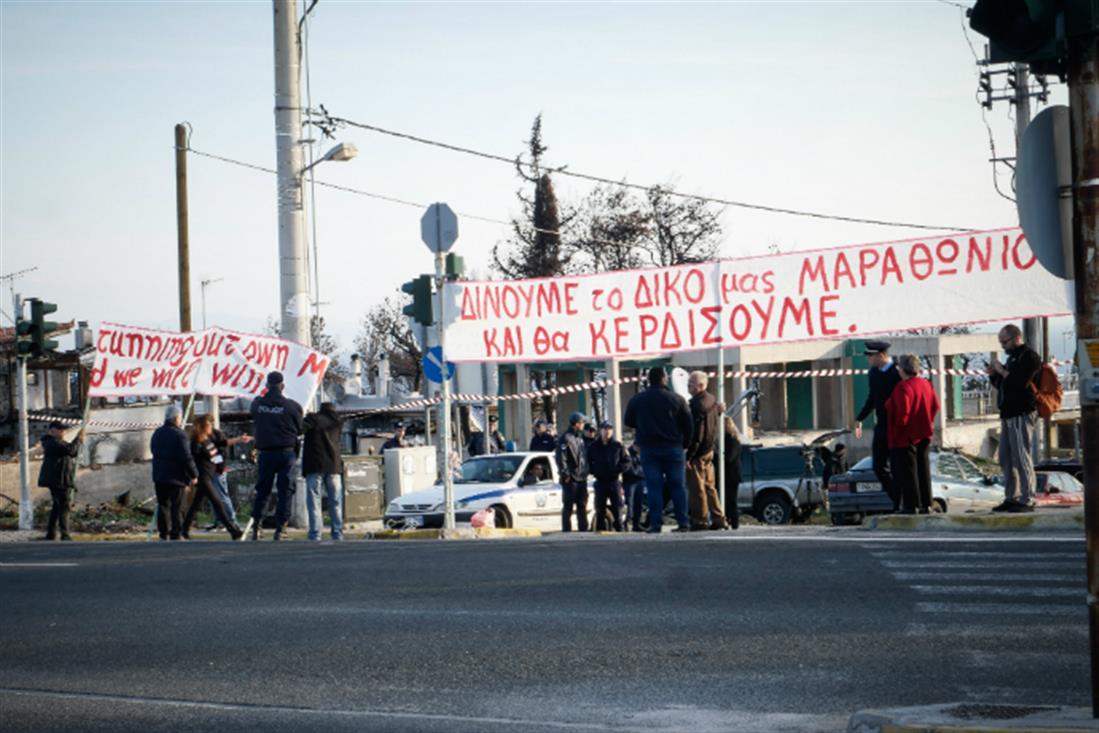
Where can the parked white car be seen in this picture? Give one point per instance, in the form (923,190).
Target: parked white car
(522,489)
(957,485)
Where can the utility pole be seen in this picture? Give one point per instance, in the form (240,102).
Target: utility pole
(293,265)
(293,270)
(183,241)
(1083,84)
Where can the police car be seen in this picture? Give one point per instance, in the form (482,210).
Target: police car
(522,489)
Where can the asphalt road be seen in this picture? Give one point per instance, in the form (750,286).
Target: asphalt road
(766,631)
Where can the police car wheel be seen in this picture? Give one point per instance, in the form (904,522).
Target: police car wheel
(503,516)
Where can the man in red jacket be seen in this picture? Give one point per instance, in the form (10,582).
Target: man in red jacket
(911,411)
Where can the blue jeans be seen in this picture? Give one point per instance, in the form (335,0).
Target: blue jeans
(333,486)
(665,465)
(273,467)
(221,485)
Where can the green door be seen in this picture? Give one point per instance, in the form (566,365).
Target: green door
(799,398)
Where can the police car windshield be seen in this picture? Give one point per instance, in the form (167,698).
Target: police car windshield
(496,469)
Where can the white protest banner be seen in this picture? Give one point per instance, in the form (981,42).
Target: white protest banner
(133,361)
(843,292)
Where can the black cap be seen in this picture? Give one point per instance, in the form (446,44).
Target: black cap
(274,378)
(57,425)
(493,418)
(876,347)
(606,424)
(398,425)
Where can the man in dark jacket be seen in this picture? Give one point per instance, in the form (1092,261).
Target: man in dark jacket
(278,423)
(322,463)
(883,377)
(1013,381)
(397,441)
(607,459)
(487,443)
(542,440)
(173,470)
(58,474)
(572,465)
(703,500)
(633,476)
(662,422)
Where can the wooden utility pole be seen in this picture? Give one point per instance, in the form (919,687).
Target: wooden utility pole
(1083,82)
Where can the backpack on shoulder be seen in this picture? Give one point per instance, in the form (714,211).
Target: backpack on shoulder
(1047,391)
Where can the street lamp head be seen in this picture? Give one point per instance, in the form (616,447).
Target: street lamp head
(343,151)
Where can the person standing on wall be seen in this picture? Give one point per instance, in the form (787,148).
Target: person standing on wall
(58,474)
(278,423)
(883,377)
(572,465)
(663,426)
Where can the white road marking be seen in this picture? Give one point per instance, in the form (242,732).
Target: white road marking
(1034,611)
(1008,569)
(870,540)
(643,721)
(39,565)
(980,554)
(991,577)
(992,590)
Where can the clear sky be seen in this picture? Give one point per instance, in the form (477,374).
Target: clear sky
(858,108)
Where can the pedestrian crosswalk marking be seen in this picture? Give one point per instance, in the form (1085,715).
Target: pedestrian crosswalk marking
(991,577)
(1002,609)
(1014,566)
(992,590)
(1036,556)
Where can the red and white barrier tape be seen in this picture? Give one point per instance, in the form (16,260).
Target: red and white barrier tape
(549,392)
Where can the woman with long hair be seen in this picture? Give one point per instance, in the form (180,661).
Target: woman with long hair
(207,457)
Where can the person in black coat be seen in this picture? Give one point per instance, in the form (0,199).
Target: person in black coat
(732,472)
(278,423)
(883,376)
(173,470)
(207,460)
(572,465)
(633,477)
(58,474)
(397,441)
(663,427)
(322,463)
(542,440)
(607,459)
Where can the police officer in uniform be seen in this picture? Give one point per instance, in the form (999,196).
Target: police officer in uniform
(278,423)
(883,376)
(397,441)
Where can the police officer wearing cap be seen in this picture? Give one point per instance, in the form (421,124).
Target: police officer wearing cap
(278,423)
(572,464)
(542,440)
(397,441)
(608,459)
(883,376)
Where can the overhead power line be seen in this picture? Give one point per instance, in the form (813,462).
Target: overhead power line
(393,200)
(564,171)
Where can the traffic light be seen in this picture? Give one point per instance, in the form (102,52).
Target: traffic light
(420,307)
(1037,32)
(43,328)
(455,266)
(1018,30)
(24,343)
